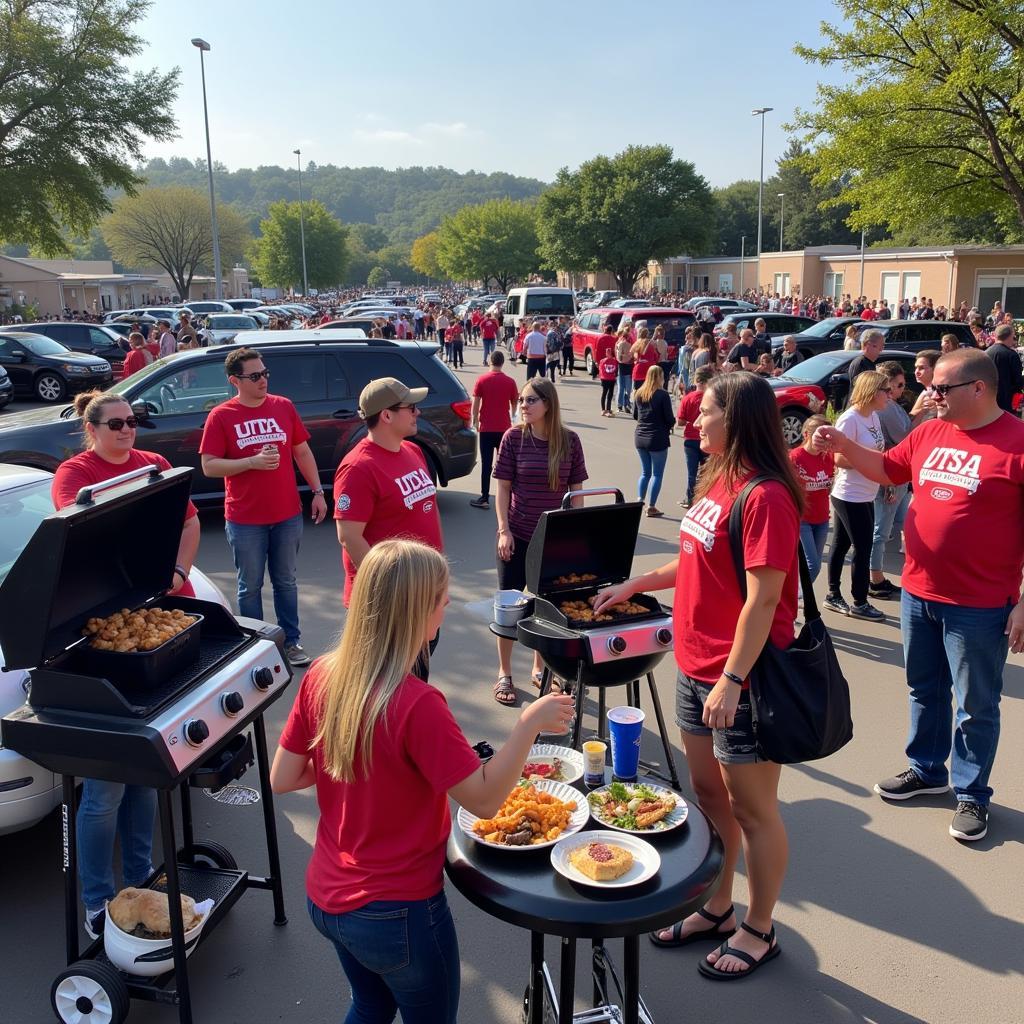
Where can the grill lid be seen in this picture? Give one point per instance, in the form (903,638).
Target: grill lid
(91,559)
(600,540)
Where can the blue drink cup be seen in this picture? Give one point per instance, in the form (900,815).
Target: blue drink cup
(625,725)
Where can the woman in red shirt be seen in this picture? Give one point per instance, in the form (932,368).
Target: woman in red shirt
(138,355)
(816,470)
(384,753)
(645,355)
(718,638)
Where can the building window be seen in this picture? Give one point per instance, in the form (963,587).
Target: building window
(782,284)
(834,285)
(911,285)
(1007,290)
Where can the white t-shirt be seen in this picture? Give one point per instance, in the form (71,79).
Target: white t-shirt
(866,430)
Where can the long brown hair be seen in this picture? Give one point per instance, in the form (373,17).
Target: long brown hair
(559,439)
(753,436)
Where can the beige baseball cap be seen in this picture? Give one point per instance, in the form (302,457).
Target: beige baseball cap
(385,392)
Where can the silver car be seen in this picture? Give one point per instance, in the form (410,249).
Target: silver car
(221,328)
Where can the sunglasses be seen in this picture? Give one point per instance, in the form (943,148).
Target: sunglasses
(530,399)
(254,377)
(944,389)
(411,406)
(116,423)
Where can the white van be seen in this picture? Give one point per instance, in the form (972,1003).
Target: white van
(538,300)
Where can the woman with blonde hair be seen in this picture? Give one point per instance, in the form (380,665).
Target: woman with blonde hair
(853,498)
(652,410)
(624,357)
(851,342)
(384,753)
(539,461)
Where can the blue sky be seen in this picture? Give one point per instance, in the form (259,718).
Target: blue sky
(526,88)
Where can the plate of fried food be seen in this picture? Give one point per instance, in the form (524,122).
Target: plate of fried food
(574,577)
(534,815)
(606,860)
(128,632)
(638,808)
(551,762)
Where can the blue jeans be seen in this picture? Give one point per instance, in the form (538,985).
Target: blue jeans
(812,538)
(625,386)
(108,809)
(695,458)
(888,519)
(275,547)
(397,956)
(652,469)
(488,349)
(948,650)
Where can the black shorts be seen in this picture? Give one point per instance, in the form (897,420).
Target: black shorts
(512,574)
(735,745)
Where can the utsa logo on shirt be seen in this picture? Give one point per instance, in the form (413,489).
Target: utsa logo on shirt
(702,521)
(416,486)
(260,431)
(952,467)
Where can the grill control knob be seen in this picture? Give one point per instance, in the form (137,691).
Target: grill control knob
(196,732)
(617,644)
(664,636)
(262,678)
(231,703)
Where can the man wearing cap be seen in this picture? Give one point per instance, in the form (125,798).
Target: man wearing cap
(186,332)
(168,343)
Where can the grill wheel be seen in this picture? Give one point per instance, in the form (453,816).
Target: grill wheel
(90,992)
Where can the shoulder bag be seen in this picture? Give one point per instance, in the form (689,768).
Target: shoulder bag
(799,698)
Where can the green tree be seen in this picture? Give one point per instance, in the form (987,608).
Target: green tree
(377,277)
(278,259)
(170,228)
(424,256)
(735,216)
(931,123)
(73,122)
(496,240)
(616,213)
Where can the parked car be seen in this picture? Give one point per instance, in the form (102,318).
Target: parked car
(29,792)
(221,328)
(824,336)
(209,306)
(538,300)
(631,303)
(776,324)
(92,339)
(915,335)
(604,297)
(243,305)
(726,305)
(6,388)
(322,373)
(48,370)
(587,328)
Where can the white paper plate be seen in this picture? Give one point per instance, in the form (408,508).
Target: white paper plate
(577,820)
(646,859)
(572,760)
(672,820)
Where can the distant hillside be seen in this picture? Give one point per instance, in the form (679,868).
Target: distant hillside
(405,203)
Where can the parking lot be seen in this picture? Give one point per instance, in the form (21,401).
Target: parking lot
(884,918)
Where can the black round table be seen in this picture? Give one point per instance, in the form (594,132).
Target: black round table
(523,889)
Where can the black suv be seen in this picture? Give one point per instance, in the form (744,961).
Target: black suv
(92,339)
(323,377)
(48,370)
(776,324)
(915,335)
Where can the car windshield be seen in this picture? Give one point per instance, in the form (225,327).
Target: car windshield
(42,346)
(22,509)
(823,328)
(675,325)
(812,370)
(220,323)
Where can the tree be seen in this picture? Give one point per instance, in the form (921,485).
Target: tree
(279,250)
(931,125)
(496,239)
(424,256)
(73,122)
(735,216)
(377,277)
(616,213)
(170,228)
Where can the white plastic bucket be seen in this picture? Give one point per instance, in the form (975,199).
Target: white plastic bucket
(509,606)
(147,958)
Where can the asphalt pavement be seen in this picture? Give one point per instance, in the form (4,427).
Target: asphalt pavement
(884,918)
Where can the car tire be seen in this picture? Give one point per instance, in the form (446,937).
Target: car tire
(793,420)
(591,365)
(50,387)
(90,992)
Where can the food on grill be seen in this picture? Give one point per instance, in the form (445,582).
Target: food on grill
(583,611)
(601,861)
(574,577)
(551,769)
(145,913)
(527,817)
(128,632)
(637,808)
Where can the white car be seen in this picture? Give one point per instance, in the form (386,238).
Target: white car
(28,792)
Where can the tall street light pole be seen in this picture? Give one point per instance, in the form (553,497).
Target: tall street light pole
(302,226)
(782,217)
(760,112)
(203,46)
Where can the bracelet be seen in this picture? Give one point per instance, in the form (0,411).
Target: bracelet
(319,490)
(182,573)
(733,678)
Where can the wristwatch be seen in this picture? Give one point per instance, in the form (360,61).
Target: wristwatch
(733,678)
(319,490)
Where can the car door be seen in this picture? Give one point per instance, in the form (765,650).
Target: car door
(102,345)
(17,361)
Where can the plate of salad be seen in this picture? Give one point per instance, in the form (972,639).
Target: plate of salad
(639,808)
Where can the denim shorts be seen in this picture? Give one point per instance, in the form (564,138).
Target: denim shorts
(735,745)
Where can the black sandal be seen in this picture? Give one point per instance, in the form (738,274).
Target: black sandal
(709,933)
(711,970)
(505,693)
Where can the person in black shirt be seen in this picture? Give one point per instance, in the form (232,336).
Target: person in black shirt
(871,345)
(744,353)
(790,354)
(762,340)
(1003,353)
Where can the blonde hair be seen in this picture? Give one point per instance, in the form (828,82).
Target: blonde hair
(399,584)
(654,380)
(559,442)
(865,389)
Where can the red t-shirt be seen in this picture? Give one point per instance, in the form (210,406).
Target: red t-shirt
(643,362)
(135,360)
(689,410)
(383,838)
(88,468)
(257,497)
(816,473)
(389,491)
(965,545)
(707,597)
(496,390)
(608,368)
(489,328)
(605,346)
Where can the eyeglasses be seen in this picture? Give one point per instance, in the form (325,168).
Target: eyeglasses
(944,389)
(116,423)
(254,377)
(530,399)
(394,408)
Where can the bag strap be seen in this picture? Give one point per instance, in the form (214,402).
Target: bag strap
(811,611)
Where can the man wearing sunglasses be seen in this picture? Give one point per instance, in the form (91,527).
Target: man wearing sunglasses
(251,441)
(961,606)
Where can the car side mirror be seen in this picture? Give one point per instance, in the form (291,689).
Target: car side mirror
(142,410)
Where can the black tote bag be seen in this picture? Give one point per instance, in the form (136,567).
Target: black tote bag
(799,698)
